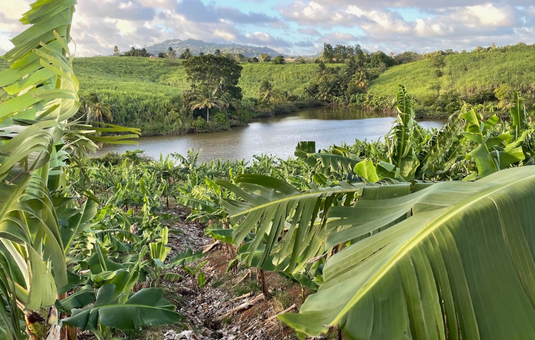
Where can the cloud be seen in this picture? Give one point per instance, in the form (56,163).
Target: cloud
(296,26)
(430,26)
(263,39)
(196,10)
(116,9)
(309,31)
(315,14)
(418,3)
(339,38)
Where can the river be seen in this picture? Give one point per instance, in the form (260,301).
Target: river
(274,136)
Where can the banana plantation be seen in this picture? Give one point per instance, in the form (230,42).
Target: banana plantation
(424,234)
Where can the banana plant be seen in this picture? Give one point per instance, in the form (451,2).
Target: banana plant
(404,141)
(453,260)
(492,153)
(288,226)
(39,218)
(146,307)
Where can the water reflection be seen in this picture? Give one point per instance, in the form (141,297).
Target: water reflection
(276,135)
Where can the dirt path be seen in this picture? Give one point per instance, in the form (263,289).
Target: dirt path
(231,305)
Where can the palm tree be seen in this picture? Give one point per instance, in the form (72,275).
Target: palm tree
(96,111)
(204,98)
(228,101)
(265,91)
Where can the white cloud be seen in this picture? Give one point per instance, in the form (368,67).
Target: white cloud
(224,35)
(315,14)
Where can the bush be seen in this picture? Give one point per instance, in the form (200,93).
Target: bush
(221,119)
(199,125)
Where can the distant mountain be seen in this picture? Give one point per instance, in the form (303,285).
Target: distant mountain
(198,46)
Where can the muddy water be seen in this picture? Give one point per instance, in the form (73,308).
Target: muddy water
(276,135)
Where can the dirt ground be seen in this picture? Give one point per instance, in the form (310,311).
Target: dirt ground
(231,304)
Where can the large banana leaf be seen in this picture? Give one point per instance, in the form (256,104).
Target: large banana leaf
(285,221)
(451,261)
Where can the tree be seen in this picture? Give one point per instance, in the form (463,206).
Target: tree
(278,60)
(171,54)
(328,53)
(359,83)
(204,98)
(265,91)
(407,57)
(186,54)
(380,57)
(301,60)
(265,57)
(218,73)
(254,60)
(95,110)
(116,52)
(134,52)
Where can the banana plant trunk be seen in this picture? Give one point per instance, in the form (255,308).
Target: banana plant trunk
(262,279)
(207,114)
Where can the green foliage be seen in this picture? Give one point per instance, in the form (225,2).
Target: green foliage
(146,307)
(278,60)
(419,263)
(218,73)
(472,77)
(134,52)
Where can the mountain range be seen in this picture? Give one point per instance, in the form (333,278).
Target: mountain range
(198,46)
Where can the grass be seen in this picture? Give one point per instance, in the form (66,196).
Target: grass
(247,286)
(150,76)
(465,74)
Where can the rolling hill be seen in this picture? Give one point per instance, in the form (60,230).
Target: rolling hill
(468,75)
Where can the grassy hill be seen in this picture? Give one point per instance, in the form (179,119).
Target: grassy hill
(473,76)
(147,75)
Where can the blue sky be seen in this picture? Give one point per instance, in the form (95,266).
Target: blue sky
(298,27)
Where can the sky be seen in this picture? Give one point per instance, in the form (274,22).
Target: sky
(295,27)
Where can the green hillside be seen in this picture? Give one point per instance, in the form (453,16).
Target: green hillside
(137,87)
(473,76)
(148,75)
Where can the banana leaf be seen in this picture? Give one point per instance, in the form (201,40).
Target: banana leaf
(146,307)
(451,261)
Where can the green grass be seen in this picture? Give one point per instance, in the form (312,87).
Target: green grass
(466,74)
(289,77)
(147,75)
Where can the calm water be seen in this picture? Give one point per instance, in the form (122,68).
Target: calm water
(276,136)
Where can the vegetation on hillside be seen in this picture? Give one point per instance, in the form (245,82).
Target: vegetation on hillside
(486,77)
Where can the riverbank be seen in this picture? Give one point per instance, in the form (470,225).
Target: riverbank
(224,122)
(277,135)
